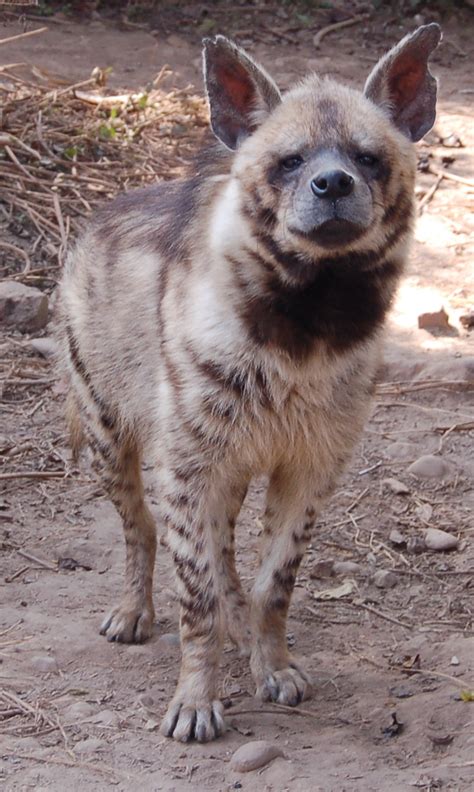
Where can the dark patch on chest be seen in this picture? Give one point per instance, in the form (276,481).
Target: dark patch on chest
(341,307)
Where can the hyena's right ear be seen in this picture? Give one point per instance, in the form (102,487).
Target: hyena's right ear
(241,94)
(402,83)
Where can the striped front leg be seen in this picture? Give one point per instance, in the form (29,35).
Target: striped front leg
(200,520)
(288,523)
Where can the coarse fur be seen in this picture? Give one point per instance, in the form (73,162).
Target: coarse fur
(229,325)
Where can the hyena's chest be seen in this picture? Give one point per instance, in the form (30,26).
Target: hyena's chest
(255,414)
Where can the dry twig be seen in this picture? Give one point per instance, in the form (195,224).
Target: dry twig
(338,26)
(23,35)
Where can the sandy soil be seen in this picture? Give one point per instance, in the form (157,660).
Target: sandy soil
(83,714)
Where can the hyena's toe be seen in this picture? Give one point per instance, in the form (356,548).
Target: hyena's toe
(185,721)
(288,686)
(127,624)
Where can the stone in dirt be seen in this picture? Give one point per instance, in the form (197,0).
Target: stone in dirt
(383,578)
(47,347)
(467,320)
(80,710)
(396,486)
(440,540)
(397,538)
(253,755)
(322,569)
(429,466)
(438,320)
(88,746)
(23,307)
(346,567)
(44,663)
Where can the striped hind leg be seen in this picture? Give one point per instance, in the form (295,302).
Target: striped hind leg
(118,466)
(117,461)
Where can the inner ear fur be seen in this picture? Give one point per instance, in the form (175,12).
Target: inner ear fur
(241,94)
(402,83)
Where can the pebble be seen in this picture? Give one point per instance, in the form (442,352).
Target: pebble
(47,347)
(429,466)
(346,567)
(383,578)
(440,540)
(396,486)
(397,538)
(253,755)
(106,718)
(454,660)
(23,307)
(44,663)
(467,319)
(322,569)
(146,701)
(78,711)
(88,746)
(438,320)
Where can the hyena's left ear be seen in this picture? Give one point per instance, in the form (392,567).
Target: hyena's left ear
(402,83)
(241,94)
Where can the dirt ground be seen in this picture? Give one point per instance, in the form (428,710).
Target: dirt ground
(79,713)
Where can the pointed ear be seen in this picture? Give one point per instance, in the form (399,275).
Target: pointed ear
(241,94)
(402,82)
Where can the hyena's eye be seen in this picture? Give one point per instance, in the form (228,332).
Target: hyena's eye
(367,160)
(291,163)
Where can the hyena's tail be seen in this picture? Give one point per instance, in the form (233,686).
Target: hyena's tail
(73,420)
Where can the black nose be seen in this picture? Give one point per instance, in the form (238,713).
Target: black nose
(332,184)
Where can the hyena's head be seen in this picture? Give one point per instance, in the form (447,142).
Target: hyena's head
(326,169)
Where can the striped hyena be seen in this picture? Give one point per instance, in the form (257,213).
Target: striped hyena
(229,325)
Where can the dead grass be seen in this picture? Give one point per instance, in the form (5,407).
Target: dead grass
(65,149)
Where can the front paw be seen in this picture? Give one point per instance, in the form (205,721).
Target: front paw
(128,623)
(187,720)
(287,686)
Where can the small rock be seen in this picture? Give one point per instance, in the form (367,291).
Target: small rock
(467,320)
(107,718)
(47,347)
(397,538)
(440,540)
(383,578)
(346,567)
(146,701)
(80,710)
(438,320)
(253,755)
(88,746)
(396,486)
(152,725)
(424,511)
(429,466)
(454,660)
(400,691)
(44,663)
(322,569)
(23,307)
